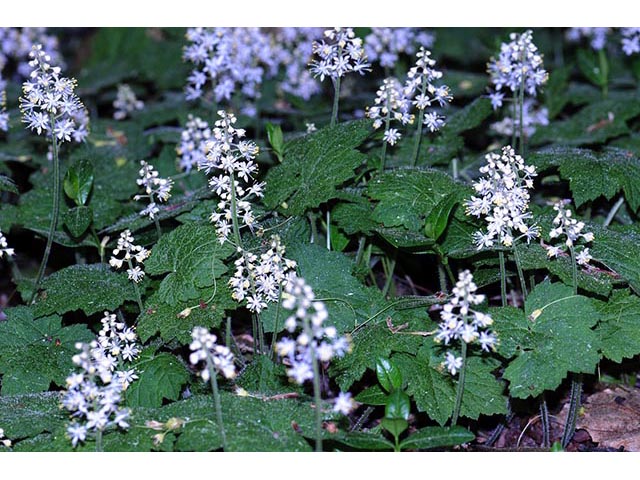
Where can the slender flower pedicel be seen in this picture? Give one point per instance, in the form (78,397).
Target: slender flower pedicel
(49,106)
(314,343)
(342,52)
(156,189)
(460,322)
(126,102)
(215,359)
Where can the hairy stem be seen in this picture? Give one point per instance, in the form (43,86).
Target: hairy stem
(336,101)
(460,387)
(503,279)
(613,212)
(55,210)
(216,400)
(544,420)
(523,282)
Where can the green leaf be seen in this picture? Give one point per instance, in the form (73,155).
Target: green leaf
(559,324)
(555,91)
(389,375)
(353,215)
(618,252)
(7,185)
(589,65)
(161,376)
(407,196)
(437,437)
(315,166)
(373,395)
(434,391)
(251,424)
(398,406)
(437,221)
(618,327)
(592,174)
(593,124)
(276,139)
(78,219)
(27,415)
(469,117)
(90,288)
(36,353)
(175,322)
(365,441)
(193,256)
(78,181)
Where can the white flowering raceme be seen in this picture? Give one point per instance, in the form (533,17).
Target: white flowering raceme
(49,104)
(16,43)
(314,341)
(94,393)
(461,322)
(630,40)
(233,159)
(597,36)
(533,116)
(342,52)
(130,253)
(294,53)
(126,102)
(390,105)
(119,341)
(4,246)
(384,45)
(519,63)
(215,357)
(422,91)
(570,228)
(504,200)
(260,280)
(193,143)
(156,188)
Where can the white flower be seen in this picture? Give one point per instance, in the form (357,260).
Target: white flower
(130,253)
(572,230)
(453,363)
(155,188)
(4,246)
(77,433)
(125,102)
(342,53)
(344,404)
(217,357)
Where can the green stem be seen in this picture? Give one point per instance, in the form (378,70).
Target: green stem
(135,287)
(216,400)
(55,210)
(604,72)
(328,228)
(360,252)
(387,123)
(503,279)
(336,100)
(613,212)
(544,420)
(99,447)
(574,406)
(523,282)
(442,278)
(228,335)
(276,324)
(389,271)
(316,385)
(158,229)
(418,137)
(460,387)
(515,111)
(574,265)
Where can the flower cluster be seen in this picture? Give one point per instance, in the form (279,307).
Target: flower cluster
(341,53)
(314,341)
(260,281)
(94,394)
(193,143)
(234,157)
(519,63)
(118,343)
(503,200)
(294,54)
(156,188)
(597,36)
(344,403)
(216,357)
(16,43)
(231,59)
(384,45)
(4,246)
(130,253)
(49,103)
(461,322)
(390,104)
(420,88)
(4,116)
(4,441)
(126,102)
(630,40)
(566,225)
(532,117)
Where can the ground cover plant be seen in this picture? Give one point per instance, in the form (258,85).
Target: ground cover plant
(329,239)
